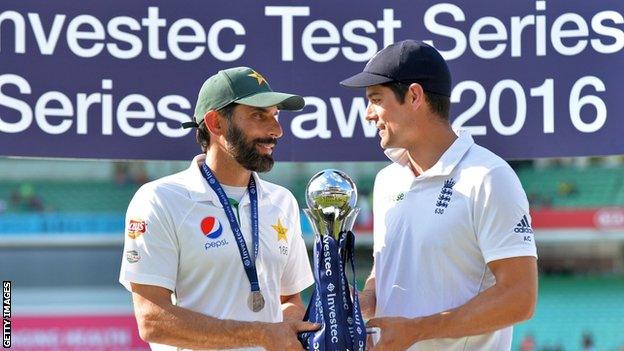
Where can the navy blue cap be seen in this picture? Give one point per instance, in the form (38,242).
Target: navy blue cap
(408,61)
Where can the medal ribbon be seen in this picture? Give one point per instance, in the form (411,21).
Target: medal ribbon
(249,263)
(357,328)
(342,326)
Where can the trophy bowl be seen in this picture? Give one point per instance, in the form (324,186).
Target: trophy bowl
(331,196)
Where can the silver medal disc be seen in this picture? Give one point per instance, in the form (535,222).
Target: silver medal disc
(255,301)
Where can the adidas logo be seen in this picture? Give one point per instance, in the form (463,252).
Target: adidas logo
(523,226)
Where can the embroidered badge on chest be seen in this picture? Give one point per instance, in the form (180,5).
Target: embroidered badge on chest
(281,236)
(280,230)
(445,196)
(395,198)
(400,196)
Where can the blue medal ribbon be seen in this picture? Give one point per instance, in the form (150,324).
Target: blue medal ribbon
(358,329)
(342,325)
(249,263)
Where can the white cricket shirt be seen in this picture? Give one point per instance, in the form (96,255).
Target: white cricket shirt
(434,235)
(178,237)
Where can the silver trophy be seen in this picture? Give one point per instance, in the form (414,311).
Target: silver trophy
(331,197)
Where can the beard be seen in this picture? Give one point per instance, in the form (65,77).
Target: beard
(244,151)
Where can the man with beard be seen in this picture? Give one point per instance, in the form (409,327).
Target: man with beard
(213,255)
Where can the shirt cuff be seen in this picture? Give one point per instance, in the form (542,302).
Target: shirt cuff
(127,277)
(297,287)
(509,252)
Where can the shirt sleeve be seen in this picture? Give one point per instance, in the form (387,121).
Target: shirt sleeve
(150,253)
(297,274)
(502,219)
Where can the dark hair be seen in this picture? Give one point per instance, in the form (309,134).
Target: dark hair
(203,136)
(399,89)
(439,104)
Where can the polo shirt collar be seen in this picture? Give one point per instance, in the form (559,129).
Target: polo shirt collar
(445,165)
(199,189)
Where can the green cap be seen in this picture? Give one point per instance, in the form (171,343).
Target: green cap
(244,86)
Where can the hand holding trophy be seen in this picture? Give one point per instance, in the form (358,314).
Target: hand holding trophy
(331,197)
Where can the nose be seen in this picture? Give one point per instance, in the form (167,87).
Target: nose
(275,130)
(371,116)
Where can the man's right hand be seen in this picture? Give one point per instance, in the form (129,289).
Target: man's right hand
(283,336)
(368,298)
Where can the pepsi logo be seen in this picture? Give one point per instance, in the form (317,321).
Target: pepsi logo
(211,227)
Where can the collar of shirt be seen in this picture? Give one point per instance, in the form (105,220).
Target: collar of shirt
(445,164)
(199,190)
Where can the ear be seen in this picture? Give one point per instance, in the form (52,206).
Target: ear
(415,96)
(213,123)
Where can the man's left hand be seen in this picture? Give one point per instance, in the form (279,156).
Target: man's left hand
(397,333)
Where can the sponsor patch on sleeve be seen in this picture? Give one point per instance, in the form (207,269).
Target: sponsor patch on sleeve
(133,256)
(136,228)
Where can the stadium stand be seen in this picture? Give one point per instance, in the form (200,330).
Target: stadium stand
(574,187)
(73,196)
(82,218)
(570,306)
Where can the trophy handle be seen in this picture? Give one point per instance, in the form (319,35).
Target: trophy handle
(349,220)
(331,223)
(316,220)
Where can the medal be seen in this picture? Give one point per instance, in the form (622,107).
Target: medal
(255,301)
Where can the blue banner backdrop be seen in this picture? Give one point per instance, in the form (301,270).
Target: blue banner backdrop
(87,79)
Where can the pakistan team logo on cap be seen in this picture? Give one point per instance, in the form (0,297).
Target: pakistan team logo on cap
(257,76)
